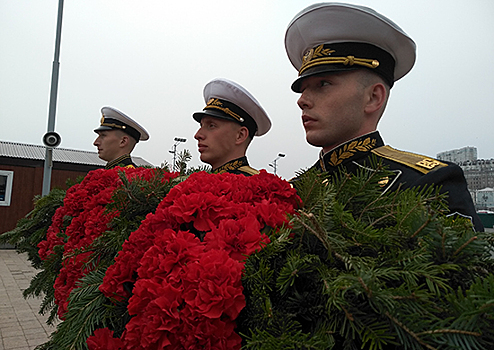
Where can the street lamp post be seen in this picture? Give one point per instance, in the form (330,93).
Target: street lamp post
(53,103)
(174,150)
(273,165)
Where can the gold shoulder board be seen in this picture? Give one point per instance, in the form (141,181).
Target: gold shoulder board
(247,169)
(416,161)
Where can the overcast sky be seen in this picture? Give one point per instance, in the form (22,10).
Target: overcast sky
(152,58)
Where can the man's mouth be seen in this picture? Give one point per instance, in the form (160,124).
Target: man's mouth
(307,121)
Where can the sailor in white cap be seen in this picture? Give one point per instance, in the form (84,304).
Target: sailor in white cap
(117,137)
(231,118)
(348,57)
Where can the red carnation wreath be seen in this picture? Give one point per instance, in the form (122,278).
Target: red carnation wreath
(85,205)
(185,261)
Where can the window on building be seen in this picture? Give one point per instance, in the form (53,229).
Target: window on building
(6,178)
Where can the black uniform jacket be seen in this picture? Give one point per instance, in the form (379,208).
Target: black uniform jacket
(411,170)
(123,161)
(239,166)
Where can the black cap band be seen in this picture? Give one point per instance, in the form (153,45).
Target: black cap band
(223,109)
(118,125)
(346,56)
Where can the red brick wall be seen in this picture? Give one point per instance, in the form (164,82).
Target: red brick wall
(28,182)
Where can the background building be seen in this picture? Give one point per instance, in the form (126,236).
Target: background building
(459,155)
(479,174)
(21,175)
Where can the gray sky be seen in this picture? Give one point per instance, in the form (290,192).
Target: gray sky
(151,59)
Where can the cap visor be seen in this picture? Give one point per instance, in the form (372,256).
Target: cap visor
(102,128)
(212,113)
(319,70)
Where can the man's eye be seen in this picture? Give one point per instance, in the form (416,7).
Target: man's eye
(325,82)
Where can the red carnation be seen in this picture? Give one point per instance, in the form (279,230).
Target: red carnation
(213,286)
(239,238)
(103,340)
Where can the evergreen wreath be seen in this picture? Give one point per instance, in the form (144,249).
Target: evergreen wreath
(364,270)
(147,259)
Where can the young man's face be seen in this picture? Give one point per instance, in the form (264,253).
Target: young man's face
(332,108)
(109,143)
(216,140)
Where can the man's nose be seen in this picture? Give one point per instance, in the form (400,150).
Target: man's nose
(198,135)
(304,101)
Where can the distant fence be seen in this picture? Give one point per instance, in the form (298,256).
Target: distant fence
(487,219)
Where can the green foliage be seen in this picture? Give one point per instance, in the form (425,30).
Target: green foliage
(182,159)
(181,165)
(31,229)
(42,285)
(365,270)
(474,309)
(88,309)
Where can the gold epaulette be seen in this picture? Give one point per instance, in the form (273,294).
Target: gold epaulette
(416,161)
(247,169)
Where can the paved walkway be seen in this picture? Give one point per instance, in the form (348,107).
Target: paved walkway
(21,327)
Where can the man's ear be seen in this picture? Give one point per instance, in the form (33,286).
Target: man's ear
(242,135)
(376,98)
(124,141)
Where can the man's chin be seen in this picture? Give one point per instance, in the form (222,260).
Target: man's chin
(313,141)
(203,158)
(102,157)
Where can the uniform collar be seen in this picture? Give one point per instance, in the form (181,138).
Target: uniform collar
(231,165)
(122,160)
(350,151)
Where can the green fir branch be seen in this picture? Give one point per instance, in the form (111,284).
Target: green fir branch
(372,270)
(88,310)
(31,229)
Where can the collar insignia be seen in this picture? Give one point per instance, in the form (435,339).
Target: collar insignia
(350,149)
(232,165)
